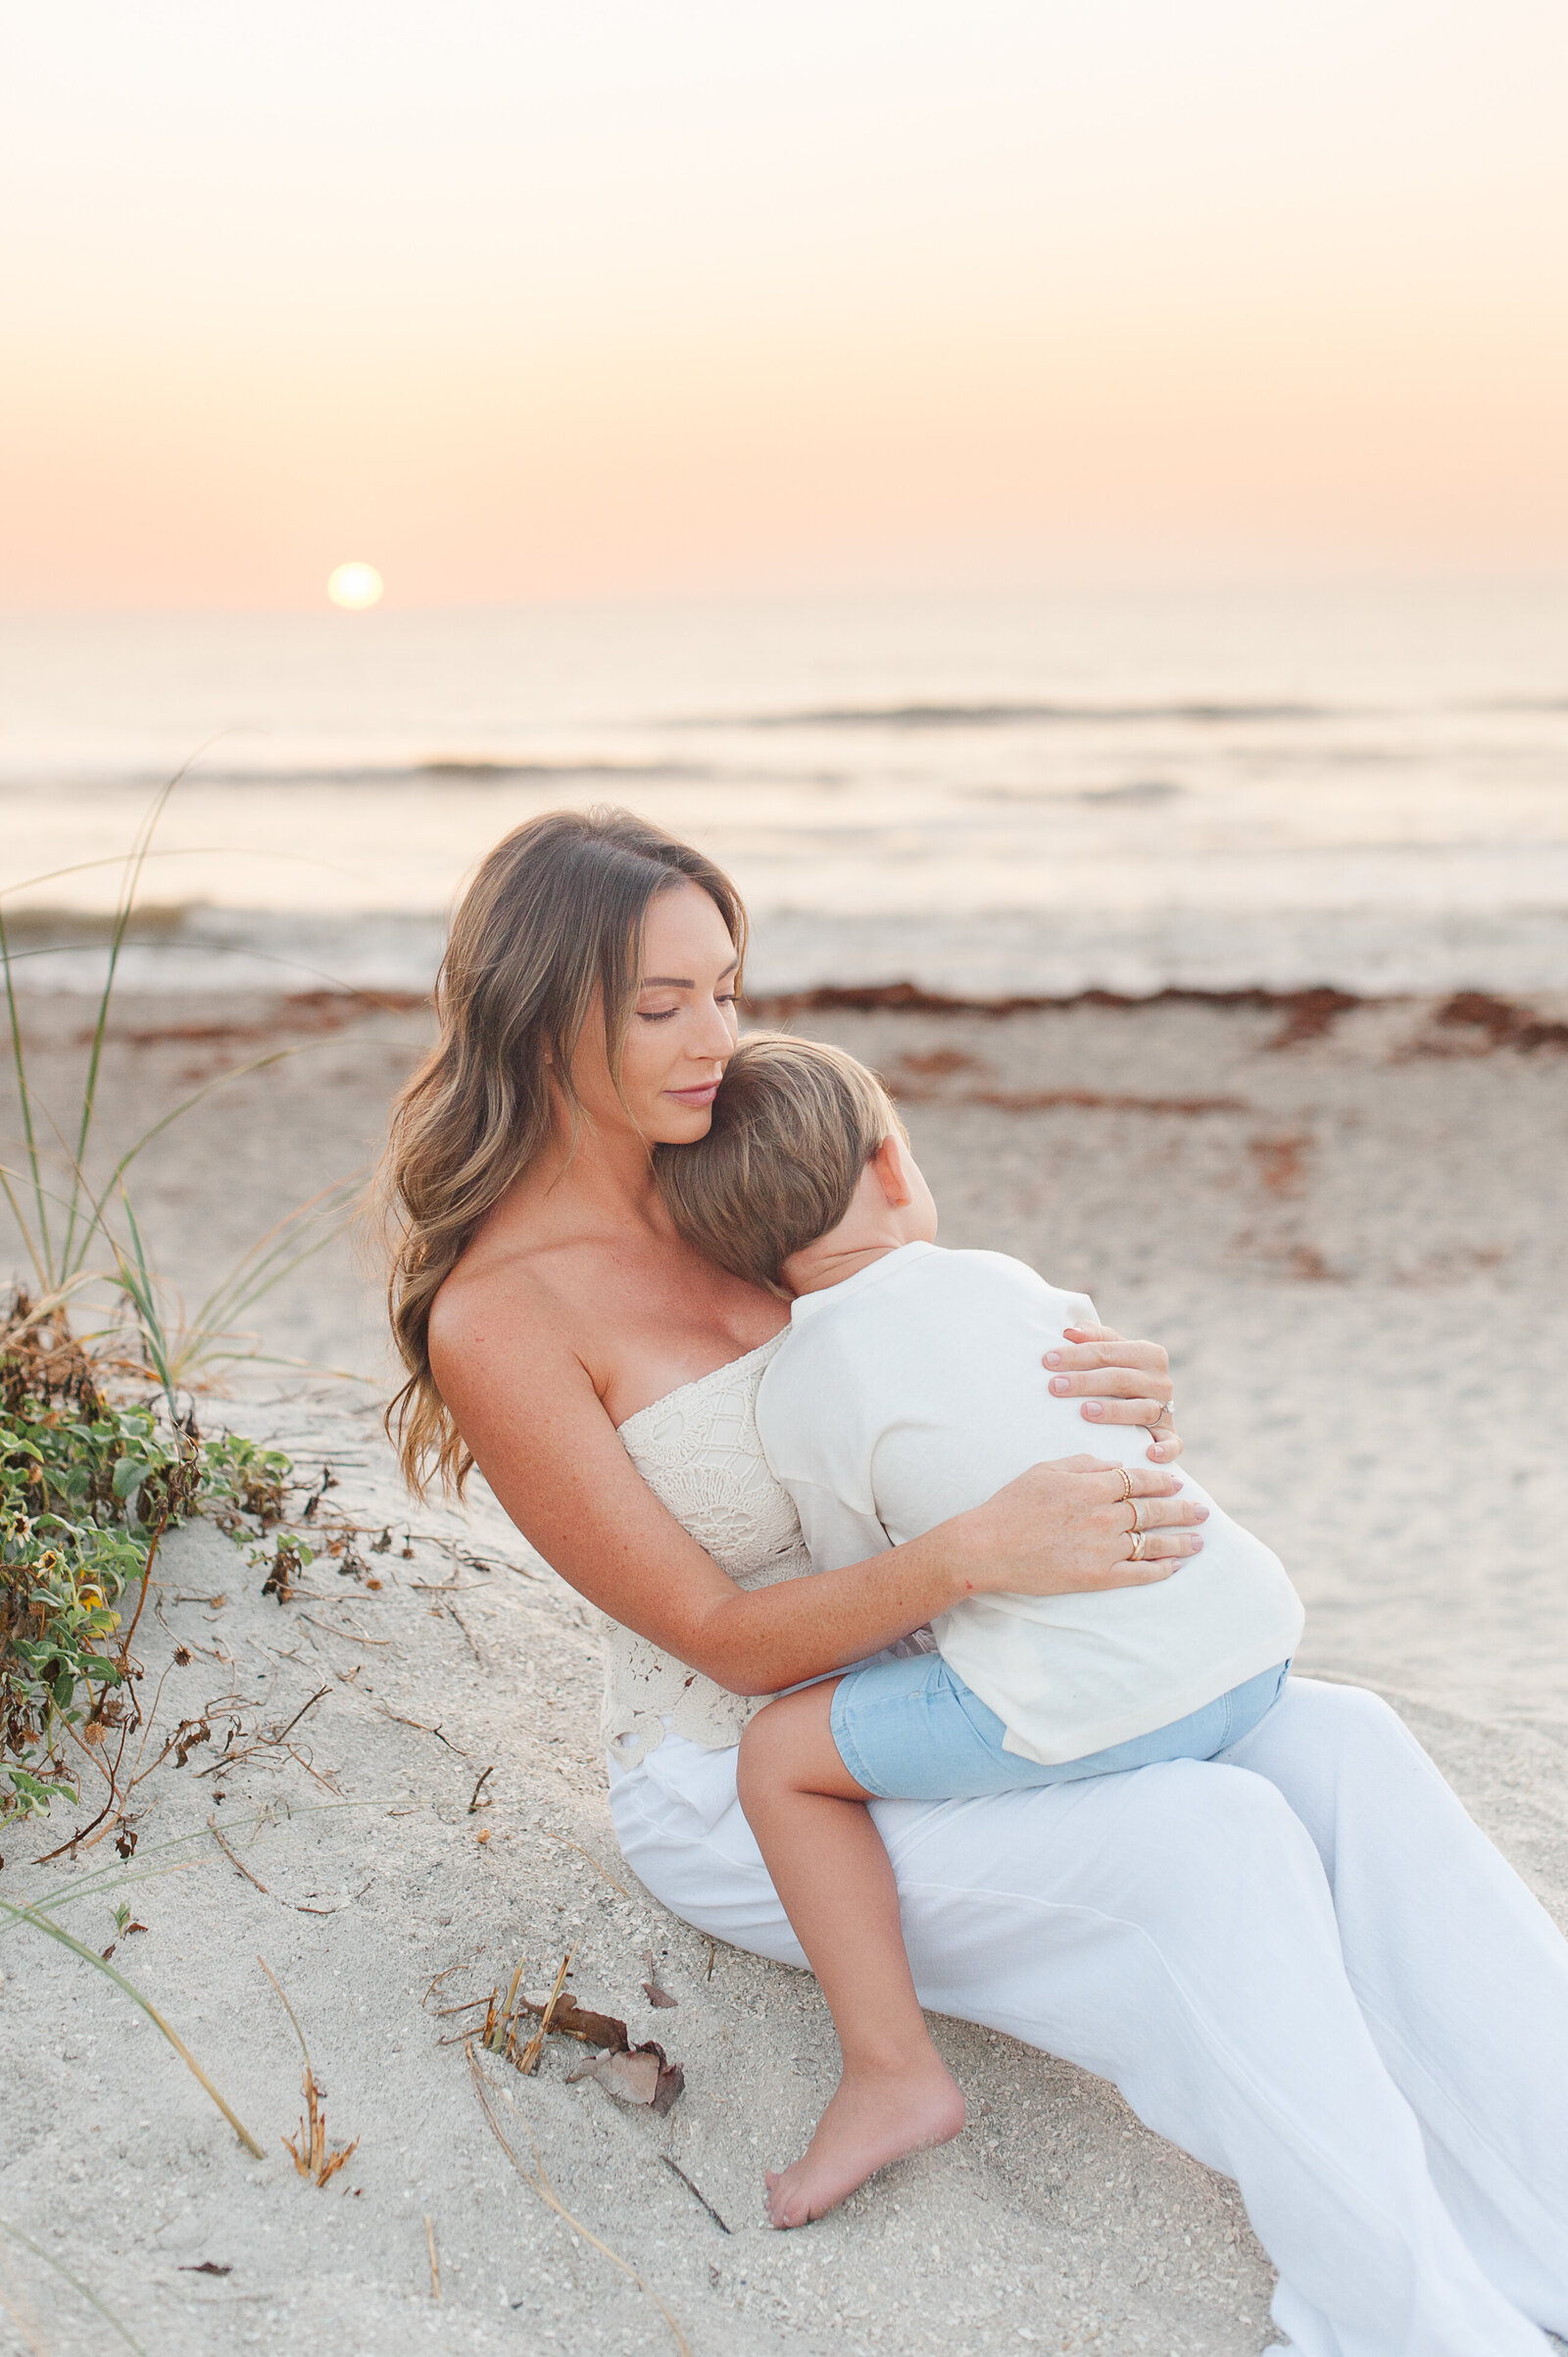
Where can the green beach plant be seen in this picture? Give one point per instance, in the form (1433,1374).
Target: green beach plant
(90,1478)
(85,1487)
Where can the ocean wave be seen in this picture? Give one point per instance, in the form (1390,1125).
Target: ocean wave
(1012,716)
(457,769)
(990,954)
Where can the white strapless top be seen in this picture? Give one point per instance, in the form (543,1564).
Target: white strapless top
(698,1450)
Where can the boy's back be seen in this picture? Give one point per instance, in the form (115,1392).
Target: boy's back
(914,1391)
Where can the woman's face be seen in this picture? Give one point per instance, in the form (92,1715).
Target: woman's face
(682,1029)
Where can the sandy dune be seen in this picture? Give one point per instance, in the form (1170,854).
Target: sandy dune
(1351,1243)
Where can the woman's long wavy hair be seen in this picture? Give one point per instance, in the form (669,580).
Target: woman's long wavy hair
(551,923)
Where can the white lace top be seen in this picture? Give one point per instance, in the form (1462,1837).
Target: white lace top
(698,1450)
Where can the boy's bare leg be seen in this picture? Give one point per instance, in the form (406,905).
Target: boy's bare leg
(832,1874)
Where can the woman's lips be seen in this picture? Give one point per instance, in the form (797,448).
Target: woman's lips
(703,1093)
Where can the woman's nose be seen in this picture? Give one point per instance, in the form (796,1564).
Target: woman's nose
(713,1035)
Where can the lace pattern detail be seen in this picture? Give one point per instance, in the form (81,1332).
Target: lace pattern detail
(699,1452)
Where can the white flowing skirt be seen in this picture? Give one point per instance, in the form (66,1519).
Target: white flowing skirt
(1300,1961)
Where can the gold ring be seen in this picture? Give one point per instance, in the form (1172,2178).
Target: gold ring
(1138,1513)
(1136,1555)
(1126,1484)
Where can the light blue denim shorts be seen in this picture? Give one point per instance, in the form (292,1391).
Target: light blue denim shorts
(911,1730)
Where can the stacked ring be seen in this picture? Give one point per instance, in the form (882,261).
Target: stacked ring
(1135,1552)
(1126,1484)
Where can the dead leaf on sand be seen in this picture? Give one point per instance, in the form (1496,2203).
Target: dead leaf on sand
(644,2076)
(630,2077)
(656,1995)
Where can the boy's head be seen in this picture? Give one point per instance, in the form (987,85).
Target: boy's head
(805,1142)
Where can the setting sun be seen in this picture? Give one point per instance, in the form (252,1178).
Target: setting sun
(355,586)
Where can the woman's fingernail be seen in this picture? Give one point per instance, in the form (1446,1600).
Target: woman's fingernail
(1093,1407)
(1059,1384)
(1053,1358)
(1203,1513)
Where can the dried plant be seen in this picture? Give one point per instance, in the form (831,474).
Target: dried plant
(312,2156)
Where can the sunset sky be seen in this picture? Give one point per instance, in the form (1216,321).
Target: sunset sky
(646,296)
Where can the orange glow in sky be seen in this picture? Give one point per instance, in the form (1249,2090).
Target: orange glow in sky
(536,301)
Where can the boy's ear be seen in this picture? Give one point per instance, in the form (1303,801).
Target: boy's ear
(891,1175)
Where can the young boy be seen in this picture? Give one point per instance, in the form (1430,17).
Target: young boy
(910,1387)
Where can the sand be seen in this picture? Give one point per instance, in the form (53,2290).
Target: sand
(1348,1236)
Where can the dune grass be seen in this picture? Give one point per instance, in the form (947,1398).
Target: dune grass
(75,1215)
(92,1474)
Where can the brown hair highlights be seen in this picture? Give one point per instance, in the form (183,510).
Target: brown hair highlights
(795,1124)
(552,919)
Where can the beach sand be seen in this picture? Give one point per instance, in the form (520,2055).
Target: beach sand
(1341,1219)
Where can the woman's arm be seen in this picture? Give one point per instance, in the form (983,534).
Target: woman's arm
(528,1410)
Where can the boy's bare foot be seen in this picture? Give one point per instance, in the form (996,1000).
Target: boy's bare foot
(875,2117)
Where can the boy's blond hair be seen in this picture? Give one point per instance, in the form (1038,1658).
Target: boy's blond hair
(794,1126)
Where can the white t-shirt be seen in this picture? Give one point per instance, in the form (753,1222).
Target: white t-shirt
(914,1391)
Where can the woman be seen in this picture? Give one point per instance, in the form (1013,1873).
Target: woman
(1301,1962)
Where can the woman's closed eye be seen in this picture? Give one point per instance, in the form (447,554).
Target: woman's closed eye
(662,1014)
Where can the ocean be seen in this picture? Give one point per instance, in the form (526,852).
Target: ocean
(984,797)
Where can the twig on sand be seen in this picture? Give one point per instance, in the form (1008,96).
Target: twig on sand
(436,1979)
(552,2199)
(468,1636)
(234,1861)
(435,2264)
(592,1860)
(475,1802)
(228,1758)
(422,1728)
(320,1696)
(300,1761)
(696,2190)
(352,1636)
(528,2060)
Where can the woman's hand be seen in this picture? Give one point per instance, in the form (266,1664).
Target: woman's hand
(1119,1383)
(1071,1525)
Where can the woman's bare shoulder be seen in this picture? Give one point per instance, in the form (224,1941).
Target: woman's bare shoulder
(513,1370)
(499,1306)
